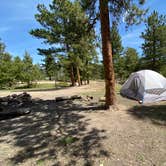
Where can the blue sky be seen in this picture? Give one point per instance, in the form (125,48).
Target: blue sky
(17,19)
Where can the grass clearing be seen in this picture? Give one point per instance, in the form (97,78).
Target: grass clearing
(97,93)
(39,86)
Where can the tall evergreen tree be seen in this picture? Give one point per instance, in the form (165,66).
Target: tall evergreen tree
(64,24)
(154,46)
(18,69)
(116,48)
(131,60)
(30,72)
(49,65)
(6,68)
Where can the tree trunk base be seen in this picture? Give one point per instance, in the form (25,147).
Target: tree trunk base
(112,108)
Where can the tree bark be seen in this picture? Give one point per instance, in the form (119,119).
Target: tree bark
(71,68)
(28,84)
(72,76)
(107,55)
(78,76)
(88,80)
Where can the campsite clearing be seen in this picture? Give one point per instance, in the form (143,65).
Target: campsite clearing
(80,132)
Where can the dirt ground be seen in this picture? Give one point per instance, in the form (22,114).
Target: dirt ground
(81,133)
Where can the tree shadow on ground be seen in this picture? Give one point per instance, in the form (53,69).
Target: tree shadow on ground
(155,113)
(54,131)
(9,116)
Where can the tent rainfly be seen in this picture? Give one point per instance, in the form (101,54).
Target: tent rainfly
(146,86)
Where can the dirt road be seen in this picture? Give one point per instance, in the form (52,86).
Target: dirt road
(51,94)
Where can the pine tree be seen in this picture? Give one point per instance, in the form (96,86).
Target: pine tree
(116,48)
(131,61)
(49,66)
(116,8)
(154,46)
(30,71)
(6,68)
(64,24)
(18,69)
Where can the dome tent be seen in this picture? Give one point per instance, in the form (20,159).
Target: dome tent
(146,86)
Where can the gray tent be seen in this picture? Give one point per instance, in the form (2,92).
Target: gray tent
(145,86)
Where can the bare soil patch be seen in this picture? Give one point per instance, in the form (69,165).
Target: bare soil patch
(80,132)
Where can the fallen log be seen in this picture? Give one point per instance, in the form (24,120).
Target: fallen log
(62,98)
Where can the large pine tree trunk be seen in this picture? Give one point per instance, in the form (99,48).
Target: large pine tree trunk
(88,80)
(28,84)
(71,68)
(72,76)
(107,54)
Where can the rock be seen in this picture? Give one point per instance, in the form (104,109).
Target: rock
(13,95)
(14,105)
(24,97)
(15,100)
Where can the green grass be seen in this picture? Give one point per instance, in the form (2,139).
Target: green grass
(36,86)
(67,140)
(117,88)
(39,86)
(40,162)
(100,92)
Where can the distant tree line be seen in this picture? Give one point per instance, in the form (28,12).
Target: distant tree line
(14,70)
